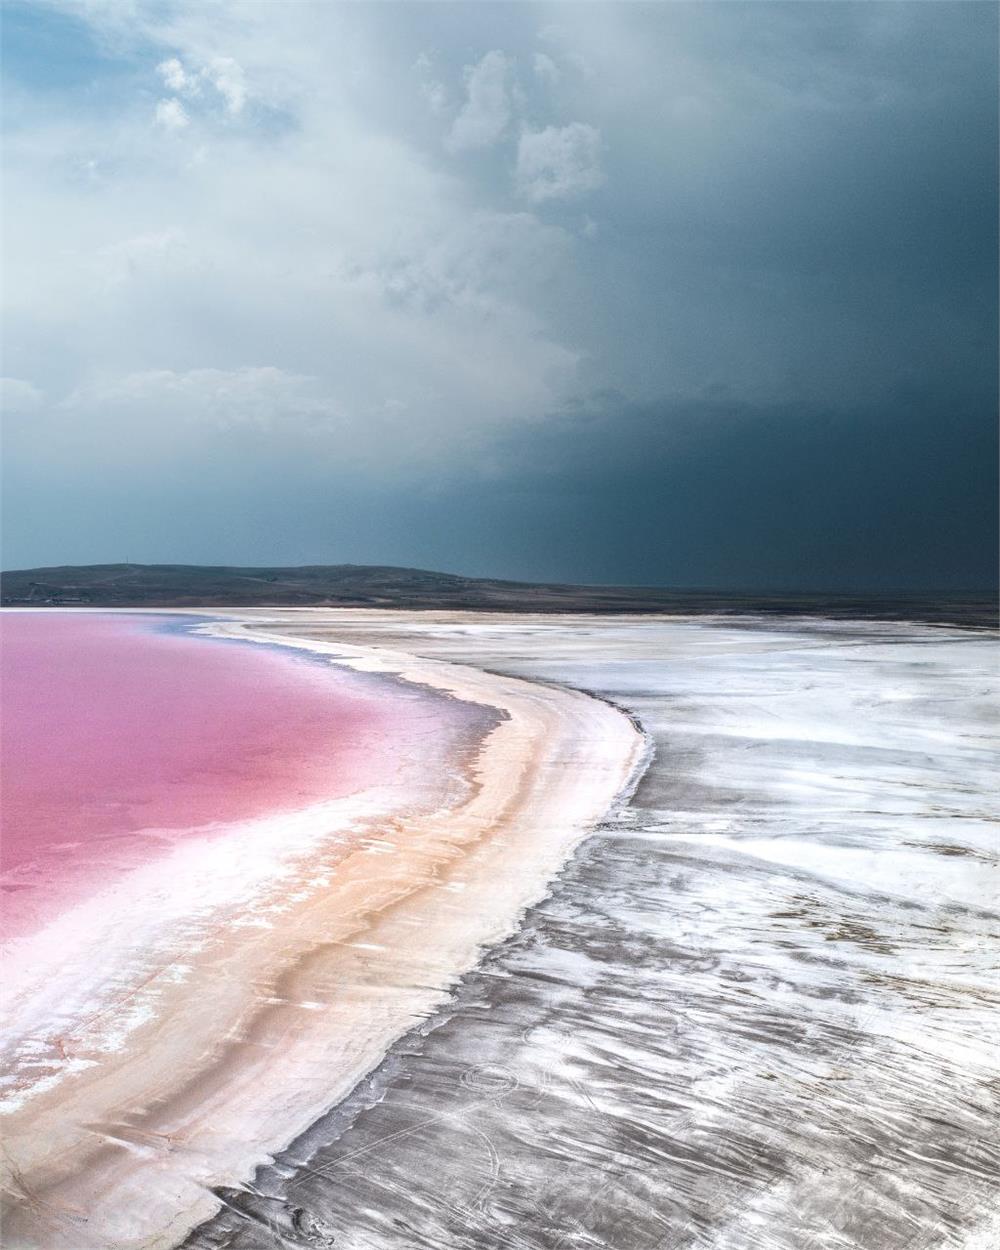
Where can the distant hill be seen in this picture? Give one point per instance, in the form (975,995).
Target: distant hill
(377,586)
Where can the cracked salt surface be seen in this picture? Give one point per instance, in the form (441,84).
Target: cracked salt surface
(758,1010)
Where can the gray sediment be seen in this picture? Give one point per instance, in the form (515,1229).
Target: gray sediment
(756,1008)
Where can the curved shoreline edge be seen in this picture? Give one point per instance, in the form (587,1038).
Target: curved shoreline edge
(313,1006)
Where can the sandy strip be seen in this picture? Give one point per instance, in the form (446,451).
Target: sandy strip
(269,1026)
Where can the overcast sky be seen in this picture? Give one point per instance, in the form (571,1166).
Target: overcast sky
(680,294)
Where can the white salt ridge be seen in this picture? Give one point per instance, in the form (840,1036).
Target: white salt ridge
(66,984)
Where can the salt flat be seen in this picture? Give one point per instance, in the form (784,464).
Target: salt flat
(758,1007)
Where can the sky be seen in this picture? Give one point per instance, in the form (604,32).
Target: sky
(694,294)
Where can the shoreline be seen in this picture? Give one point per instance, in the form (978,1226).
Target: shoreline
(311,1005)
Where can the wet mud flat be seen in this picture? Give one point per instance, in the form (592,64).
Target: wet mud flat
(757,1008)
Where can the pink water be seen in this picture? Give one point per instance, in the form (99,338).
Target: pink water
(117,737)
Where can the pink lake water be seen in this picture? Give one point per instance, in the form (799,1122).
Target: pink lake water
(121,733)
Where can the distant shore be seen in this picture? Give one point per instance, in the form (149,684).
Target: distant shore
(377,586)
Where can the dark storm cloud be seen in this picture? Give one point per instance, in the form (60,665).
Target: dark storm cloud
(719,493)
(694,294)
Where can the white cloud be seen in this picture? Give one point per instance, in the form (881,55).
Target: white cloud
(436,95)
(227,77)
(546,70)
(258,396)
(559,162)
(431,88)
(171,114)
(407,318)
(176,78)
(563,38)
(222,73)
(486,112)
